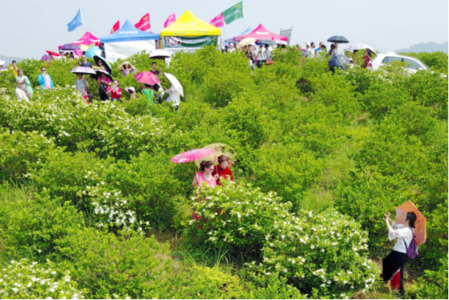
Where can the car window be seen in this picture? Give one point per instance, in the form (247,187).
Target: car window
(390,59)
(413,64)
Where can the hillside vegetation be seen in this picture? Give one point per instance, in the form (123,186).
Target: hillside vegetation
(91,205)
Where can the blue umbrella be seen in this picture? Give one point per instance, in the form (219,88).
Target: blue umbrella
(92,52)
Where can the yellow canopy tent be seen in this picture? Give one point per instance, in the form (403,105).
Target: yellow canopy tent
(189,33)
(189,25)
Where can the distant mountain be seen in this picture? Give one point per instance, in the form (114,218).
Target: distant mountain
(425,47)
(9,59)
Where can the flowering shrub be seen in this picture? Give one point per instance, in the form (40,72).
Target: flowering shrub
(363,141)
(326,252)
(236,217)
(25,280)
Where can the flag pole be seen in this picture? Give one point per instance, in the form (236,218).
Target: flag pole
(82,19)
(243,11)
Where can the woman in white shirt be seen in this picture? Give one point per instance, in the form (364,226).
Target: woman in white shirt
(20,94)
(396,259)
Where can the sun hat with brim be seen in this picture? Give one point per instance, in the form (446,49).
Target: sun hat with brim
(2,62)
(130,89)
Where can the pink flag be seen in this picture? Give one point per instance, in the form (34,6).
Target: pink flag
(218,21)
(115,27)
(144,23)
(170,20)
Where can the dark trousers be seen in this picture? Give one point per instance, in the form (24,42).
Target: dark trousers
(391,263)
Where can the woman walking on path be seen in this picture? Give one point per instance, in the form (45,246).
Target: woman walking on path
(395,261)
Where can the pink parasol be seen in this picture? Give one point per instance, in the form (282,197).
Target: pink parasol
(147,77)
(192,155)
(261,33)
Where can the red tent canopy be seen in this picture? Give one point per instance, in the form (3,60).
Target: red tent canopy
(86,40)
(261,33)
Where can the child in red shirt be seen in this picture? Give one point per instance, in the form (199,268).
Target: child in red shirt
(115,91)
(222,169)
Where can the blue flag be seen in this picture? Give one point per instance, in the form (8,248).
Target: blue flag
(77,21)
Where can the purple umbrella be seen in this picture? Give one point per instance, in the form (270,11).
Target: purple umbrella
(83,70)
(70,47)
(45,57)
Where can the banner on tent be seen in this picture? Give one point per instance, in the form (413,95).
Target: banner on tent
(186,42)
(123,50)
(287,33)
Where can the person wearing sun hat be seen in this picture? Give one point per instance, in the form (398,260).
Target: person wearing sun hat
(132,93)
(126,68)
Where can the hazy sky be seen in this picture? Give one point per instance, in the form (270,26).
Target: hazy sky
(29,27)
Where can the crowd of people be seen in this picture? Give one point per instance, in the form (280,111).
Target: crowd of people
(108,88)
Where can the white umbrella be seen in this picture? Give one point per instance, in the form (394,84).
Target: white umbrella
(359,47)
(175,82)
(160,53)
(281,42)
(246,42)
(2,62)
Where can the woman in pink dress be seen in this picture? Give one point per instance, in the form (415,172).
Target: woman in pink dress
(206,168)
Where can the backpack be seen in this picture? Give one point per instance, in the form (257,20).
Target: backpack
(102,88)
(412,249)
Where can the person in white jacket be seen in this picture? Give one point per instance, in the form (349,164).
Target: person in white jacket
(396,259)
(20,94)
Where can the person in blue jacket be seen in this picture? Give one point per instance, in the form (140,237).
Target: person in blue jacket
(45,79)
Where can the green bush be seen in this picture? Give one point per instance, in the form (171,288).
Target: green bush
(434,284)
(290,170)
(335,92)
(19,151)
(30,224)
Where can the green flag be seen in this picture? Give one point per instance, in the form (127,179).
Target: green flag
(233,13)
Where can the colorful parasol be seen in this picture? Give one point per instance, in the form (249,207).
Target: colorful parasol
(420,223)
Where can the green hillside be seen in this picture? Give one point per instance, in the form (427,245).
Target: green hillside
(92,206)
